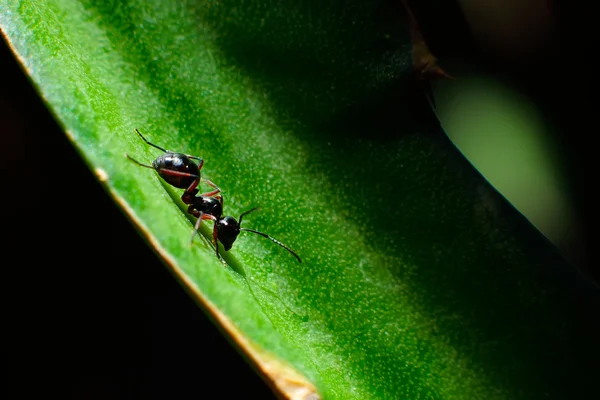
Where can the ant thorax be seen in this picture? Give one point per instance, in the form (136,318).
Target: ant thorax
(208,205)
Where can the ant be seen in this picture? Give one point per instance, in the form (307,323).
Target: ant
(178,169)
(226,228)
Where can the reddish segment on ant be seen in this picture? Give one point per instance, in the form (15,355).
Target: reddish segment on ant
(226,229)
(178,170)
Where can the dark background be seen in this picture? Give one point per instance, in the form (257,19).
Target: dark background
(88,311)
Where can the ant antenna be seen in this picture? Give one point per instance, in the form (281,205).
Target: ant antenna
(265,235)
(273,240)
(151,144)
(246,213)
(137,162)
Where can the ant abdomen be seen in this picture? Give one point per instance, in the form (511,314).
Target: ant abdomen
(169,162)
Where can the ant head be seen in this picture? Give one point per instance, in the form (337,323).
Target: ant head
(228,230)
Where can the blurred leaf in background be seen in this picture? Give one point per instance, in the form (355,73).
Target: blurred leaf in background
(508,140)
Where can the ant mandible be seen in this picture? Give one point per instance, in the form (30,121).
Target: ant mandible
(226,228)
(178,170)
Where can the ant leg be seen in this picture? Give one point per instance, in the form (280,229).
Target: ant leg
(201,218)
(215,241)
(199,159)
(138,163)
(196,226)
(192,187)
(212,192)
(193,211)
(210,183)
(149,143)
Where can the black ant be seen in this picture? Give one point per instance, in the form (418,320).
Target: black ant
(226,229)
(178,169)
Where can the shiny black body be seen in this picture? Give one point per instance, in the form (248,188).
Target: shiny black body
(210,206)
(169,162)
(228,230)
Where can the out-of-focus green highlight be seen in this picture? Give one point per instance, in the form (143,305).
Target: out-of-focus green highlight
(504,136)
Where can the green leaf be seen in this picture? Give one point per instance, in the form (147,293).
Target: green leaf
(417,279)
